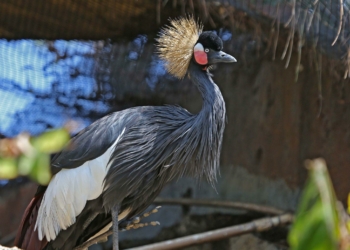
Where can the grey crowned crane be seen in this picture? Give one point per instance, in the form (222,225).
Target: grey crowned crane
(113,169)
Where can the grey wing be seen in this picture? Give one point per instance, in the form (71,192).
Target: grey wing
(91,142)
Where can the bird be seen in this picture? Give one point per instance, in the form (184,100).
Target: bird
(113,169)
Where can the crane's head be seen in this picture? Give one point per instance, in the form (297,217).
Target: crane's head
(208,50)
(184,41)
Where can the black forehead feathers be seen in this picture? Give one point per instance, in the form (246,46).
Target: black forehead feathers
(209,39)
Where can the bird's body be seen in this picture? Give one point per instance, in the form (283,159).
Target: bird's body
(121,163)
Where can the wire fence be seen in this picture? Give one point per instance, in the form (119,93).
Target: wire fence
(43,80)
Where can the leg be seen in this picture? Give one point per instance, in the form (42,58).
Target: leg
(115,212)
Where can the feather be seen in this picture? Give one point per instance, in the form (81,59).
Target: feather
(106,165)
(176,42)
(68,192)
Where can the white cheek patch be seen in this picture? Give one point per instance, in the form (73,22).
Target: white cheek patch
(199,54)
(198,47)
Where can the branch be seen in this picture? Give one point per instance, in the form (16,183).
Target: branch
(8,248)
(259,225)
(103,237)
(189,202)
(221,204)
(134,224)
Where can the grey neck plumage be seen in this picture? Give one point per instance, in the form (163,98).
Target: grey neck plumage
(209,123)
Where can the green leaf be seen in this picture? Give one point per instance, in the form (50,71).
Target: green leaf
(8,169)
(316,225)
(40,171)
(26,164)
(51,141)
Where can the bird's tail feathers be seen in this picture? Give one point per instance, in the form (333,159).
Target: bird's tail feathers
(26,237)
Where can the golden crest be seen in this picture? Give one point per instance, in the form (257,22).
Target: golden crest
(176,42)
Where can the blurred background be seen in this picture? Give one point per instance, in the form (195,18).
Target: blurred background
(287,97)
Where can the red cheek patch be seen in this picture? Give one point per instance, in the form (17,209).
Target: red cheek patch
(201,57)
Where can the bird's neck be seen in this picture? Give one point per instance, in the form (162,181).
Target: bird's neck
(213,102)
(210,123)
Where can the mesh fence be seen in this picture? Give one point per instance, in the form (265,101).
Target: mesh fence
(82,59)
(322,23)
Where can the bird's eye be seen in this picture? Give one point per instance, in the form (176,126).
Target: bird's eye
(206,50)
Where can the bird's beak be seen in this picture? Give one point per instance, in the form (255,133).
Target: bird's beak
(220,57)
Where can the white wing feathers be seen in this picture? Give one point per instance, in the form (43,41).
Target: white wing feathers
(68,192)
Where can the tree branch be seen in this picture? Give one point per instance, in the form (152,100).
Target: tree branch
(221,204)
(8,248)
(255,225)
(134,224)
(259,225)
